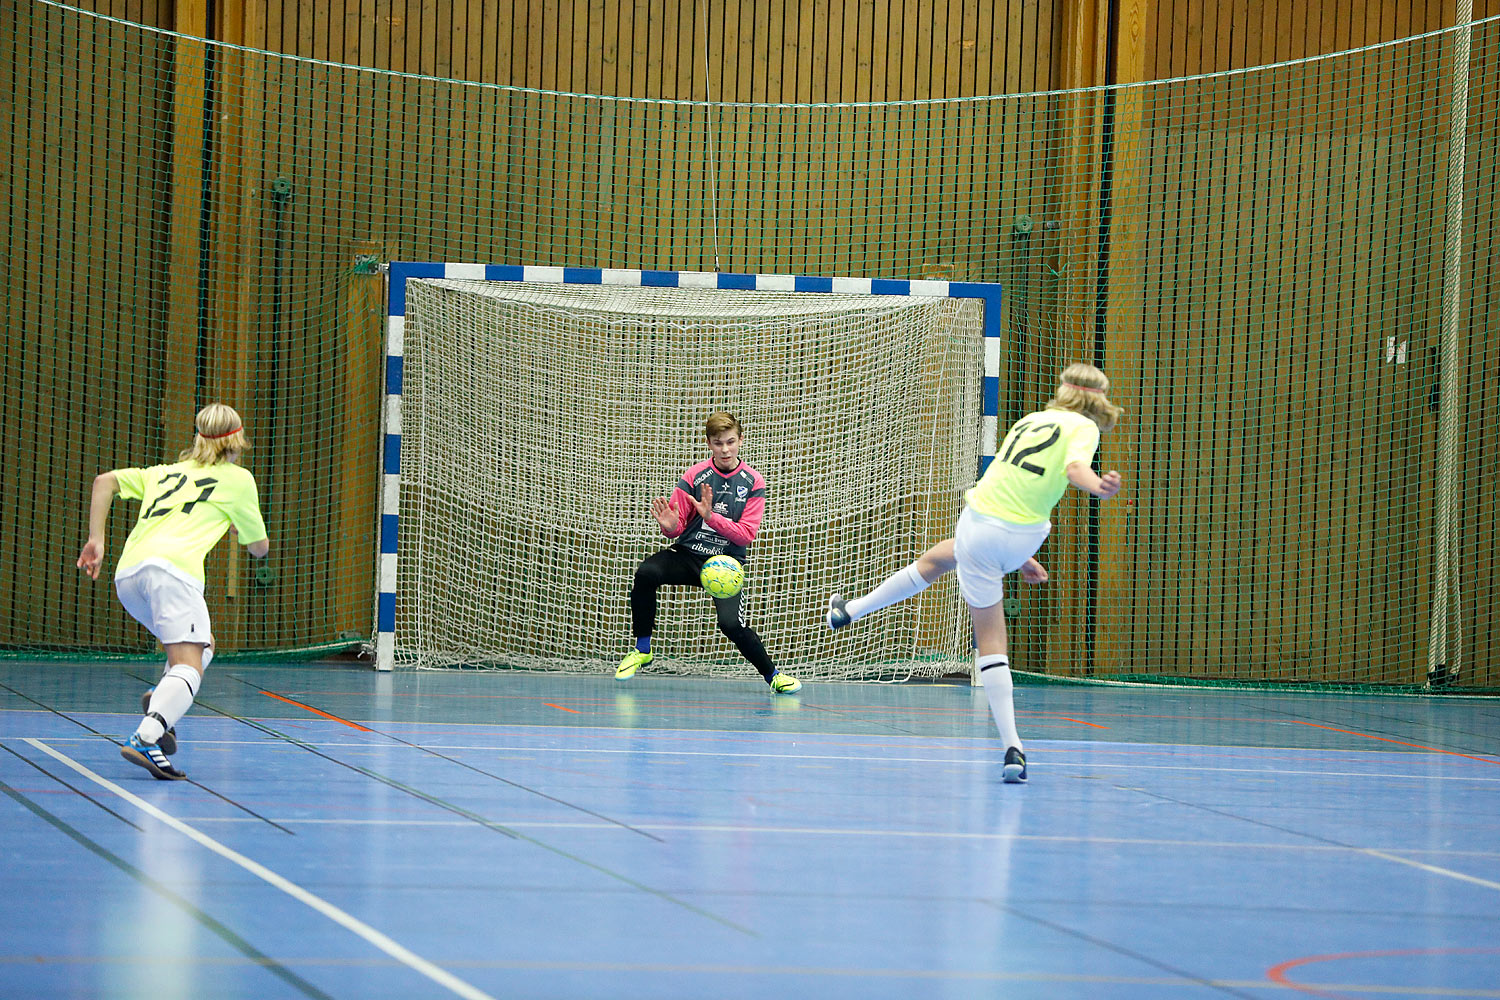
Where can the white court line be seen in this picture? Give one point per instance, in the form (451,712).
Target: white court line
(1049,758)
(825,972)
(389,727)
(463,989)
(740,830)
(1434,869)
(1050,745)
(408,958)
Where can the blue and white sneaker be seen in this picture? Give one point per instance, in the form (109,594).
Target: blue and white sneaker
(1014,771)
(149,756)
(838,614)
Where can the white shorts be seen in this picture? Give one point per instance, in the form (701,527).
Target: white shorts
(988,548)
(170,608)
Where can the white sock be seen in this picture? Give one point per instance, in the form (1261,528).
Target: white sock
(900,585)
(171,699)
(998,687)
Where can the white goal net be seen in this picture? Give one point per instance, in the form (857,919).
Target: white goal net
(539,421)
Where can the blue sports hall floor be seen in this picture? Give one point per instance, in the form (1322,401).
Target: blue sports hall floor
(512,835)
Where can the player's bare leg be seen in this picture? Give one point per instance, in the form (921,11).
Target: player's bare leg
(994,666)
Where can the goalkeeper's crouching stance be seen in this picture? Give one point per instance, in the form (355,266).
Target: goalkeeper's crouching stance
(716,509)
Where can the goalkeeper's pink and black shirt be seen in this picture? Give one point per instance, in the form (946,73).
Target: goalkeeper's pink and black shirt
(739,505)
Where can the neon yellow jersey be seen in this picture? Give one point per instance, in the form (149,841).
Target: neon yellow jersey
(185,509)
(1028,474)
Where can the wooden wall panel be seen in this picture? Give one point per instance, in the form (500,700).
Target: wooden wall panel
(472,172)
(1312,268)
(27,87)
(795,51)
(1204,36)
(85,183)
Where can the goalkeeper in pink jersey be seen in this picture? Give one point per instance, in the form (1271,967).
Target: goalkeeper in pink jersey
(186,508)
(716,509)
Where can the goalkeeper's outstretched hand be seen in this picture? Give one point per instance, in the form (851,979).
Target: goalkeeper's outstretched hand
(665,514)
(705,503)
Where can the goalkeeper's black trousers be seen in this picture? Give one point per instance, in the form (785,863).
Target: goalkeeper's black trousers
(677,567)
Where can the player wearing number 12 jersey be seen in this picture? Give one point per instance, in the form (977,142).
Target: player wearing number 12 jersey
(1007,516)
(1002,527)
(186,508)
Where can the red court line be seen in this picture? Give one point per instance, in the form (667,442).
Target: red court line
(319,711)
(914,710)
(561,709)
(1277,973)
(911,713)
(1082,723)
(1387,739)
(865,709)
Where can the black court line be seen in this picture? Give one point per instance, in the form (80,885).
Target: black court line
(488,774)
(1437,728)
(1116,948)
(1237,817)
(390,782)
(838,713)
(109,739)
(488,824)
(224,933)
(74,789)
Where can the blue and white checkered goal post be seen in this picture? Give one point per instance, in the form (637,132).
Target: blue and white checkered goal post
(400,272)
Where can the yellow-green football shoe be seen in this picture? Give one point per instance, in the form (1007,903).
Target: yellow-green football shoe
(785,683)
(630,665)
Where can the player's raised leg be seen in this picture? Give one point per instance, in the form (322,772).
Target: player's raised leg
(904,584)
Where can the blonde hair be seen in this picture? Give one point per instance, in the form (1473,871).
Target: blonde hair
(219,431)
(1083,389)
(718,423)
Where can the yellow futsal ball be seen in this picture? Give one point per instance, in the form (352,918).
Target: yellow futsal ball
(722,576)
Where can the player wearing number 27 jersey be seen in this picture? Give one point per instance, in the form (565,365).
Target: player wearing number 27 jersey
(186,507)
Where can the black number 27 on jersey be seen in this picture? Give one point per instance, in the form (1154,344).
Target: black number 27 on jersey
(161,508)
